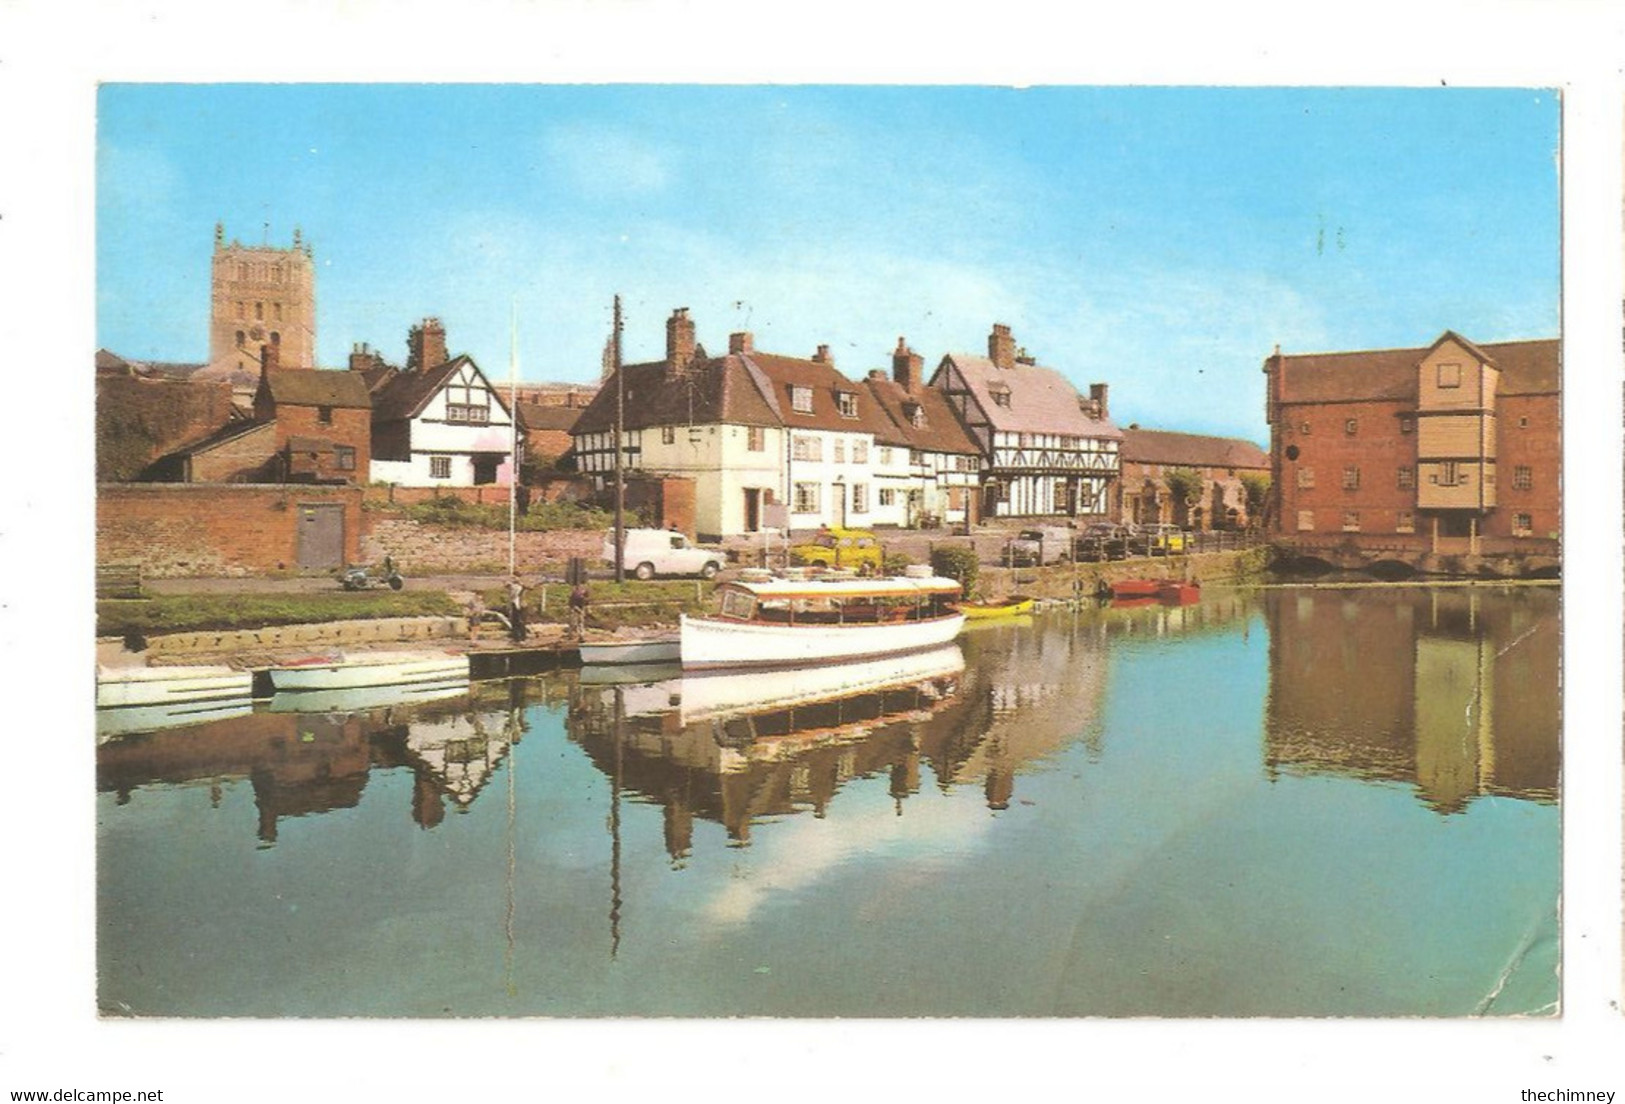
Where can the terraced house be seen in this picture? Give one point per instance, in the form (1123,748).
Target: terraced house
(1046,450)
(754,430)
(1452,450)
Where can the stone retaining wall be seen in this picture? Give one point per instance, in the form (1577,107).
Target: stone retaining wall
(382,630)
(1067,580)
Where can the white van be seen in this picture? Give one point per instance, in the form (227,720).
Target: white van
(651,552)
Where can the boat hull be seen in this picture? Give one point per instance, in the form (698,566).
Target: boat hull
(1013,608)
(1136,588)
(714,642)
(126,686)
(622,652)
(384,669)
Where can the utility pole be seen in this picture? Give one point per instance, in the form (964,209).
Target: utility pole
(620,479)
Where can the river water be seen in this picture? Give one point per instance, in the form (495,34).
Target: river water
(1285,802)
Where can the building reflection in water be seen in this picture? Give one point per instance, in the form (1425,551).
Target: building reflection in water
(302,762)
(1438,688)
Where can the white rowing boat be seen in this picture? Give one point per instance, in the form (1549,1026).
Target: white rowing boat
(347,671)
(125,686)
(621,651)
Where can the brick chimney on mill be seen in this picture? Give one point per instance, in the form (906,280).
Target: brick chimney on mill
(907,367)
(679,342)
(426,346)
(1001,347)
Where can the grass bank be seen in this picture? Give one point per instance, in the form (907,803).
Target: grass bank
(195,612)
(614,605)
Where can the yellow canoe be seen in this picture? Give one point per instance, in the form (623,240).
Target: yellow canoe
(1013,606)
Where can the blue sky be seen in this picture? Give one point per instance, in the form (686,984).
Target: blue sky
(1160,240)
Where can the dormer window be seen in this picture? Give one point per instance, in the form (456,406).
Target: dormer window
(801,400)
(1001,396)
(847,403)
(915,414)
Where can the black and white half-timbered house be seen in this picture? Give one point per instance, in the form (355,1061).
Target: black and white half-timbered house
(1046,449)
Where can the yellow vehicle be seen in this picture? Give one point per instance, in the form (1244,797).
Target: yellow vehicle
(1164,539)
(854,549)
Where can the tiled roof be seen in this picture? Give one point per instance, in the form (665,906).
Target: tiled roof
(1190,450)
(1041,399)
(232,430)
(1527,368)
(939,429)
(315,387)
(549,416)
(405,394)
(785,374)
(717,390)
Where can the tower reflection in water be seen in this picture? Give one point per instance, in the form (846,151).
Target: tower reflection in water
(1440,689)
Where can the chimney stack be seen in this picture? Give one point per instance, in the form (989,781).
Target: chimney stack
(741,342)
(1097,396)
(426,346)
(907,367)
(269,359)
(679,342)
(822,356)
(1001,347)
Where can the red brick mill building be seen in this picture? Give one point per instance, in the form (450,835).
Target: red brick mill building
(1442,458)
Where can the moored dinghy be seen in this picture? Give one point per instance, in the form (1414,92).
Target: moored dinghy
(124,686)
(346,670)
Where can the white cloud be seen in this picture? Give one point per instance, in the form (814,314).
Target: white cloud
(599,161)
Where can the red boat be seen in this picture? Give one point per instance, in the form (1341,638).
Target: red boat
(1166,590)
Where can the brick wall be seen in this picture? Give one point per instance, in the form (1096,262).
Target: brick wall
(139,420)
(1326,449)
(1527,435)
(245,458)
(424,550)
(349,426)
(194,529)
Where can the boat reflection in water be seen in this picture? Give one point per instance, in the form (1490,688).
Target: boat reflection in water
(311,752)
(736,747)
(1452,691)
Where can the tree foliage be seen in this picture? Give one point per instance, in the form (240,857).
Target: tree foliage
(1184,484)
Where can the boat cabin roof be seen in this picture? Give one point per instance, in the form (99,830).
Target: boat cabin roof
(845,588)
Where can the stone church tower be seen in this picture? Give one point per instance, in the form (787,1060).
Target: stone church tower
(261,295)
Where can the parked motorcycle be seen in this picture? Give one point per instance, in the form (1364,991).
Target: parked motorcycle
(362,577)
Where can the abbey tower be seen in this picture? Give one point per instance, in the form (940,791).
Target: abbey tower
(261,295)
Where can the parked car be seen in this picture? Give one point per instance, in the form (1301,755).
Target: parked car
(1102,541)
(650,552)
(1050,544)
(1163,539)
(857,549)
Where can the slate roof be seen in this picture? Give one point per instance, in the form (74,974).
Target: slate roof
(1042,400)
(1527,368)
(317,387)
(1190,450)
(940,429)
(233,429)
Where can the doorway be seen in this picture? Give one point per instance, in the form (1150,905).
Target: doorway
(321,535)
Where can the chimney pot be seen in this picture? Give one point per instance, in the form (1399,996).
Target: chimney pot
(907,367)
(1001,347)
(680,346)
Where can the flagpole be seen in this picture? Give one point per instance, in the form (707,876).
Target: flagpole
(620,478)
(513,437)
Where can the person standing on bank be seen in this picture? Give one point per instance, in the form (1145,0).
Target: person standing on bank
(578,610)
(516,609)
